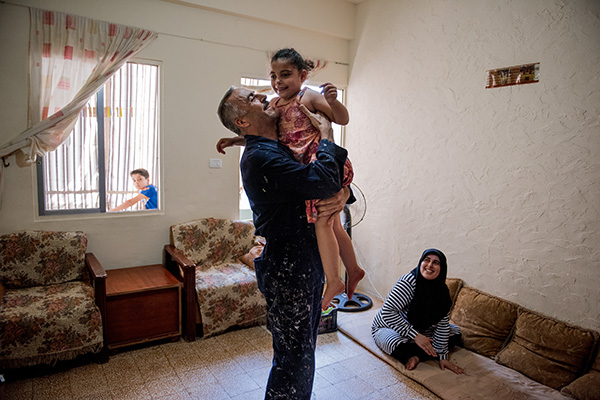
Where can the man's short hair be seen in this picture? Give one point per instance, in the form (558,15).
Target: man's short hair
(229,111)
(141,171)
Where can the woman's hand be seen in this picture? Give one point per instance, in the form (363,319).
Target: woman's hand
(425,343)
(447,364)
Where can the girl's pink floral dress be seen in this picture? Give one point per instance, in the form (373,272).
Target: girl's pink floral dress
(297,133)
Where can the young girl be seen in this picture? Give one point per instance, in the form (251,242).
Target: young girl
(288,72)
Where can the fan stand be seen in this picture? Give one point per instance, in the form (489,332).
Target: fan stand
(359,301)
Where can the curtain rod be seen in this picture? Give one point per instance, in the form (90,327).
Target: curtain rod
(13,4)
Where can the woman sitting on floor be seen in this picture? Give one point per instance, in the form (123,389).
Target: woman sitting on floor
(412,325)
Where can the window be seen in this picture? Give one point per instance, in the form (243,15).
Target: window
(261,85)
(89,173)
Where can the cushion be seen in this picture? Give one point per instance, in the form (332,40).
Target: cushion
(454,286)
(36,258)
(254,252)
(586,387)
(228,296)
(483,378)
(211,241)
(43,324)
(486,321)
(546,350)
(249,257)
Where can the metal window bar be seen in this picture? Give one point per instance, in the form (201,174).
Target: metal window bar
(90,171)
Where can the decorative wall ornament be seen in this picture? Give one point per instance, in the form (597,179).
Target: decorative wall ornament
(515,75)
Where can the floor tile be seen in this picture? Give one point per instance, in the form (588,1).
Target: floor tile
(336,372)
(355,388)
(132,392)
(211,391)
(241,384)
(232,366)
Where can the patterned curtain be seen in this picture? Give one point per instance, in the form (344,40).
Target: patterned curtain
(70,58)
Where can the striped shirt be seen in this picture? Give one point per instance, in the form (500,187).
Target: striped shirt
(391,327)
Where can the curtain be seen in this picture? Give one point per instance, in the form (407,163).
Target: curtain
(131,131)
(70,58)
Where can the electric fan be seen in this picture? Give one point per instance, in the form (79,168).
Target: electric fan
(351,216)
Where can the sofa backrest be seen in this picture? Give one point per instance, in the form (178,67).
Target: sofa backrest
(549,351)
(486,321)
(586,387)
(454,286)
(40,258)
(211,241)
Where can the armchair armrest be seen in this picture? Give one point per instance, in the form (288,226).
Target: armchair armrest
(98,275)
(177,257)
(185,270)
(96,269)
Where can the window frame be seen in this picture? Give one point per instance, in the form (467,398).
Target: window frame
(246,213)
(102,191)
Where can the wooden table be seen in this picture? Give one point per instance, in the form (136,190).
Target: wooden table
(142,304)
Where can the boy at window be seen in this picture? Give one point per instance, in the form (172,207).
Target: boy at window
(148,193)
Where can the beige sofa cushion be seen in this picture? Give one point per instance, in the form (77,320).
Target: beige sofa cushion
(586,387)
(486,321)
(483,378)
(546,350)
(454,286)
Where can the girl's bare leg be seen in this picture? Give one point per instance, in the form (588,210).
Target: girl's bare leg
(329,251)
(355,272)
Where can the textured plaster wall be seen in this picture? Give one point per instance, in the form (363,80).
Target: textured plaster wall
(505,181)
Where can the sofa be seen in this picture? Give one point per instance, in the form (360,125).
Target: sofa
(213,258)
(54,298)
(508,352)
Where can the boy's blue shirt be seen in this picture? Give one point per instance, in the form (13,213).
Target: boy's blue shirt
(151,194)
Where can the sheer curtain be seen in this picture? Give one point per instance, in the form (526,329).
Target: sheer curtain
(70,58)
(131,131)
(71,173)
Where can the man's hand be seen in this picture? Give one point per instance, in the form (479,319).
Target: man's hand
(334,204)
(320,121)
(229,142)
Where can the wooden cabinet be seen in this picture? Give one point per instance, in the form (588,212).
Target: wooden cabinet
(142,304)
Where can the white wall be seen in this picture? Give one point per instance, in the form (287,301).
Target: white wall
(505,181)
(203,53)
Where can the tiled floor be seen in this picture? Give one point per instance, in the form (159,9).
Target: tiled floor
(227,367)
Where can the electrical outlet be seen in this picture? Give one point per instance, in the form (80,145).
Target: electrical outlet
(214,163)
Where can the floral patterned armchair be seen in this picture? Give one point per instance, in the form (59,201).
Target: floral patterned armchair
(220,291)
(50,311)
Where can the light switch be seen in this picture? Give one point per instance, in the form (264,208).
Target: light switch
(214,163)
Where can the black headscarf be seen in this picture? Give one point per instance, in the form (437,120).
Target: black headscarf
(431,301)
